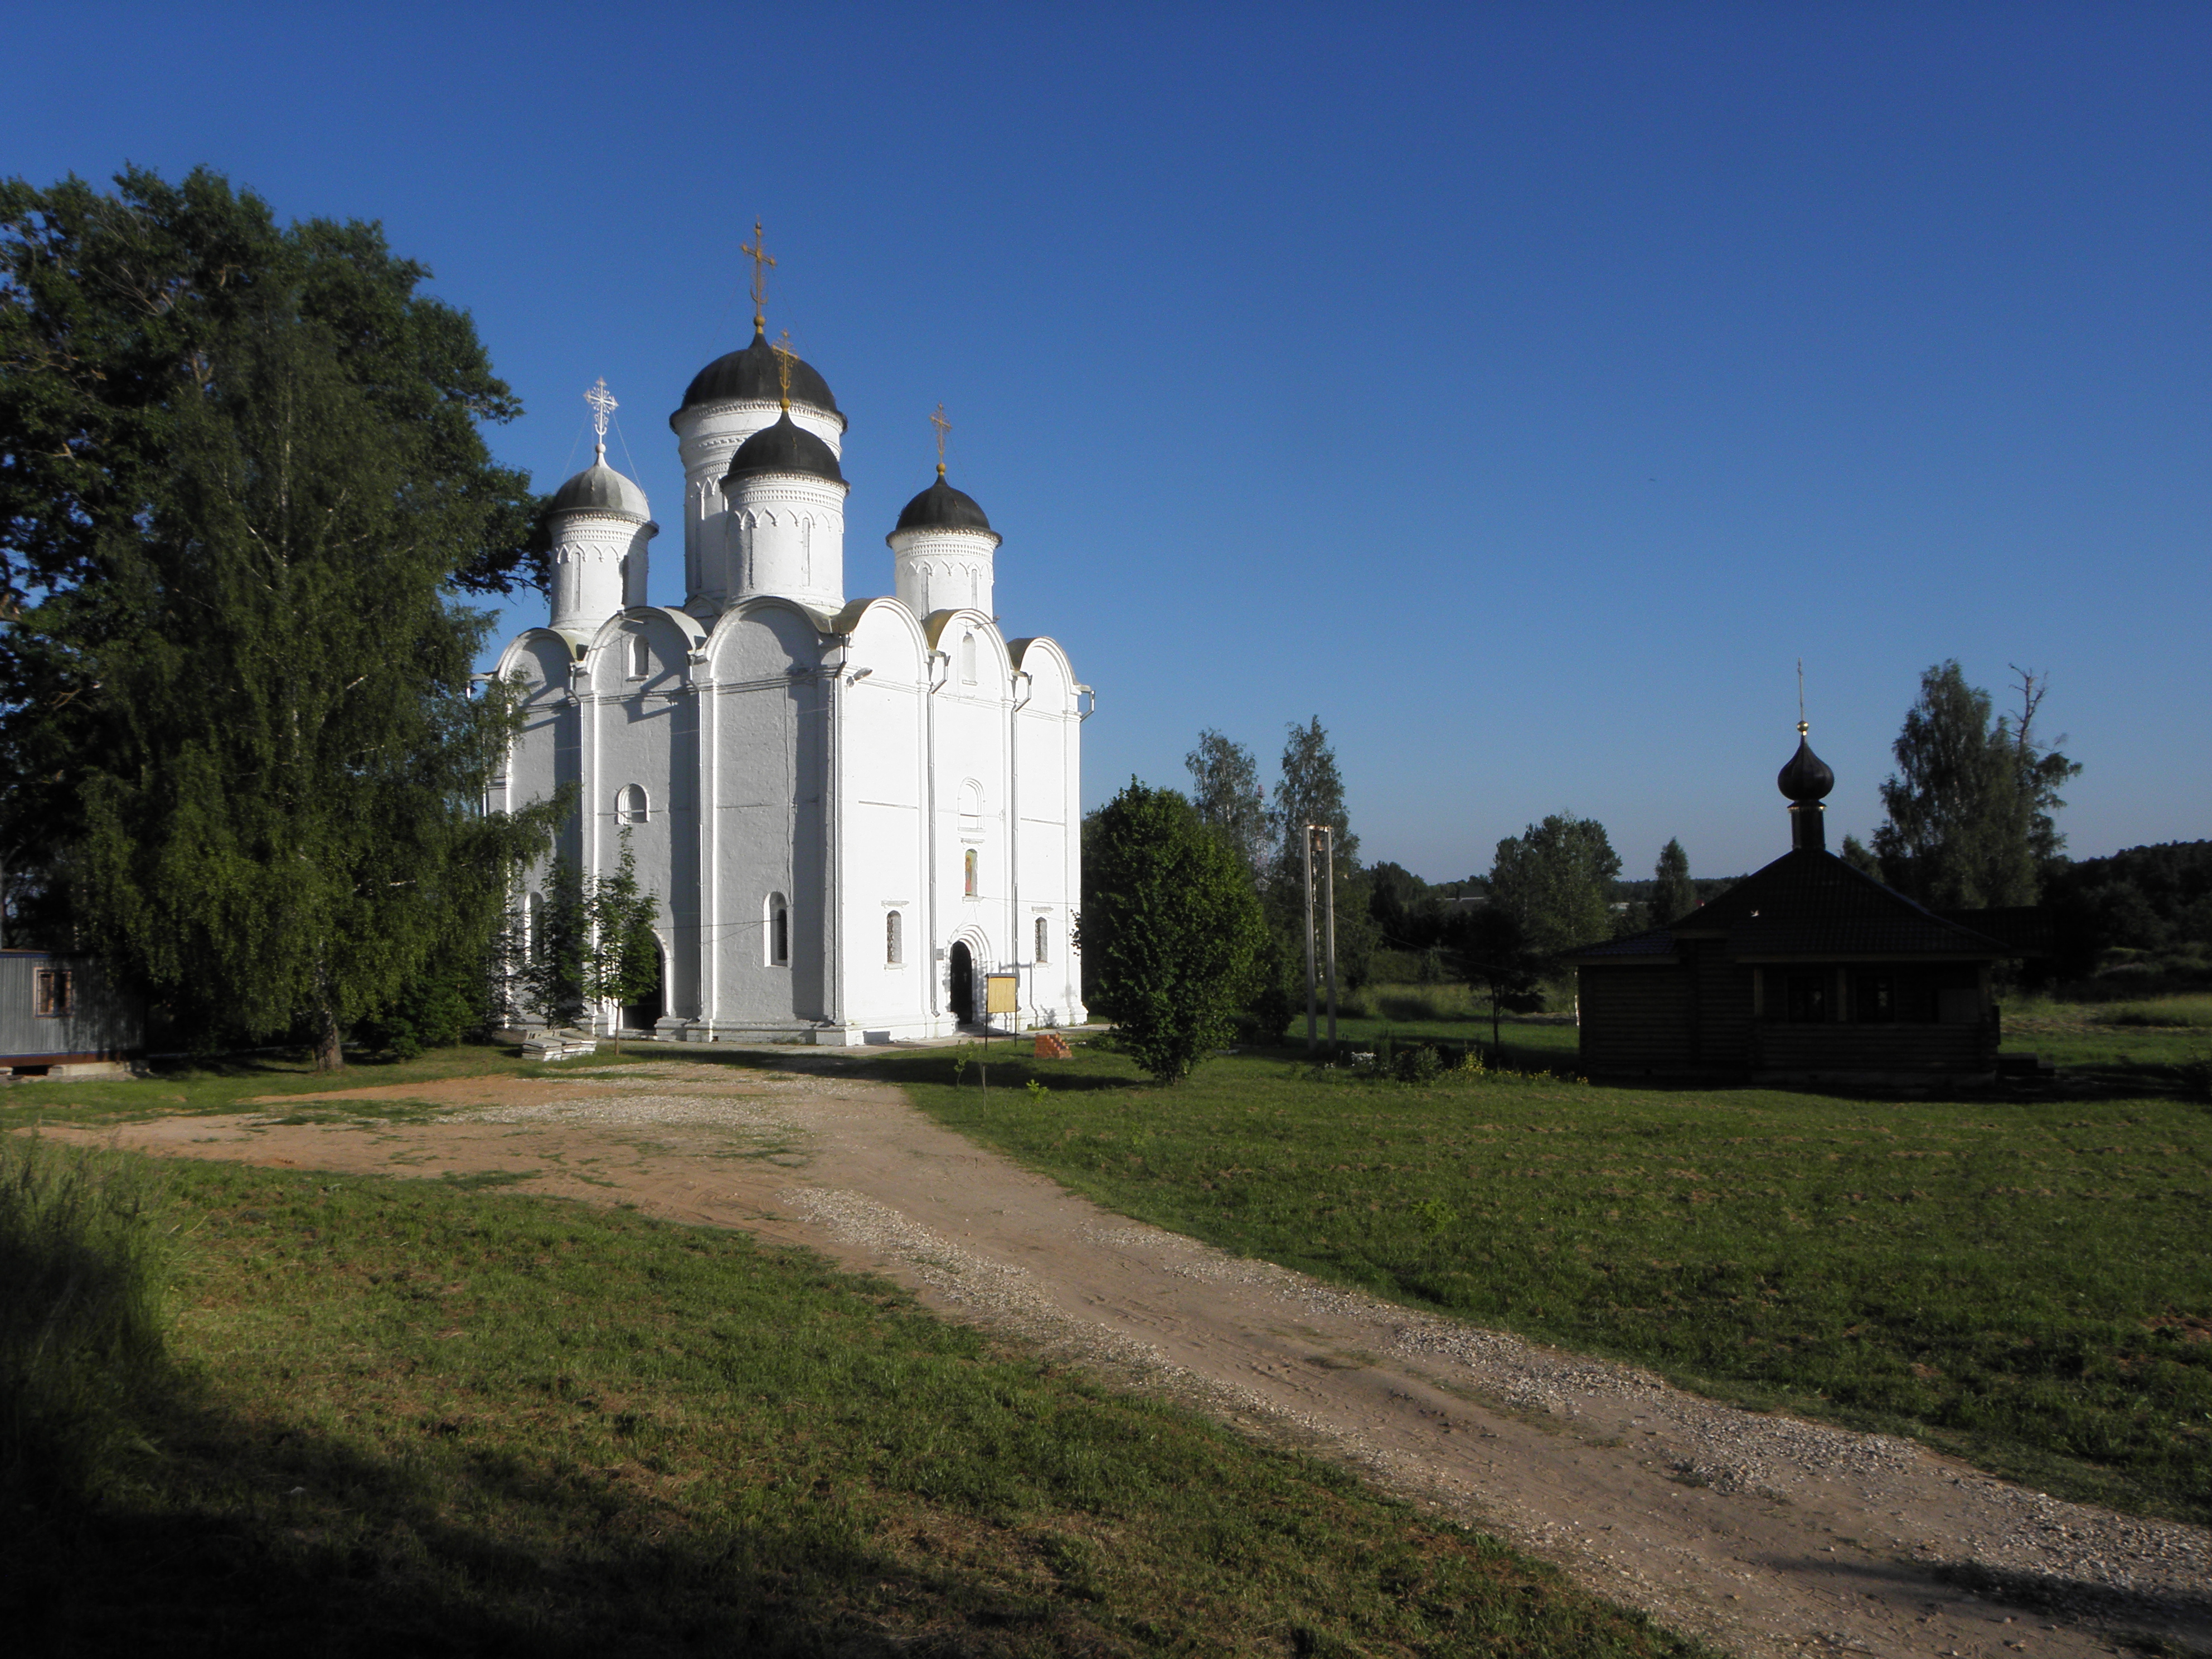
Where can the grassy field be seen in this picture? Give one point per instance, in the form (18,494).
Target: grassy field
(2022,1281)
(372,1416)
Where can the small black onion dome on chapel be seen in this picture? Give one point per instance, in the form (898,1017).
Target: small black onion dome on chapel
(750,376)
(941,506)
(783,447)
(1807,778)
(600,489)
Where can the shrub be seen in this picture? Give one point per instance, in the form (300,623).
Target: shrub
(1419,1064)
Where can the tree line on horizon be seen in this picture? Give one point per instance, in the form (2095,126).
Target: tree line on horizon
(1969,824)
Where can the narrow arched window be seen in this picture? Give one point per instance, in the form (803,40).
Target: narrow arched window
(894,947)
(776,926)
(969,866)
(640,657)
(1043,937)
(967,659)
(631,805)
(971,808)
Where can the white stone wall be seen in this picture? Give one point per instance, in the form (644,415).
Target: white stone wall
(784,536)
(707,436)
(943,569)
(599,568)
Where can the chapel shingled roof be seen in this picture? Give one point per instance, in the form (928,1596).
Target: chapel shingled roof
(1810,903)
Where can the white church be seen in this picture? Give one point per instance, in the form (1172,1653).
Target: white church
(849,810)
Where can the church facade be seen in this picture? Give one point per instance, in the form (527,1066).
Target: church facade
(848,810)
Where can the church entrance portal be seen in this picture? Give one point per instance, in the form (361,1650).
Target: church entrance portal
(645,1013)
(964,982)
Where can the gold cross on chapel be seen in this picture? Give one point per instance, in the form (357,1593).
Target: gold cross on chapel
(784,356)
(757,251)
(943,427)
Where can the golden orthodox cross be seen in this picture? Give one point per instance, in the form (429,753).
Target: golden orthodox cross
(757,251)
(943,427)
(784,355)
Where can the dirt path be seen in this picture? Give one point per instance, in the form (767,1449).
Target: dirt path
(1764,1533)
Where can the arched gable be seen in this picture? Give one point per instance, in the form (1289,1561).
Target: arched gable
(1052,677)
(885,638)
(948,631)
(765,637)
(648,637)
(541,658)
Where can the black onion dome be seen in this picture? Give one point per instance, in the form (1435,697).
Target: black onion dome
(1807,778)
(600,489)
(750,376)
(941,506)
(784,447)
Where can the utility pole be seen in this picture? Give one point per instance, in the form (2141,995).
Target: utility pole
(1328,882)
(1310,1039)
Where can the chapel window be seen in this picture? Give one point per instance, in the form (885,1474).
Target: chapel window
(967,659)
(631,806)
(1873,999)
(1806,999)
(640,657)
(777,921)
(894,946)
(53,993)
(969,865)
(1044,936)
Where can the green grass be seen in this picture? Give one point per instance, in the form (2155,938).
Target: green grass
(404,1416)
(1448,1013)
(2020,1281)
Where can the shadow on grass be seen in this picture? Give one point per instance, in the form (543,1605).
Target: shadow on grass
(248,1544)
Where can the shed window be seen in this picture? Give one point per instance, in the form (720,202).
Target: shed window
(52,993)
(1873,999)
(1806,1001)
(1044,938)
(776,916)
(631,806)
(969,863)
(640,657)
(894,946)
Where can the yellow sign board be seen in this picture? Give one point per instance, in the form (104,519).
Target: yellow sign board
(1001,993)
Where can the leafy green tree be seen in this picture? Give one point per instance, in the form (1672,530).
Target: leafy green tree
(1856,853)
(549,969)
(621,959)
(1970,808)
(1310,790)
(1492,955)
(243,479)
(1171,926)
(1555,880)
(1226,791)
(1673,894)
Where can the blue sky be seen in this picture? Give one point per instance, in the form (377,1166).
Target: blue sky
(1523,390)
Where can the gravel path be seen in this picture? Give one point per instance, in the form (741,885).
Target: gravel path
(1764,1533)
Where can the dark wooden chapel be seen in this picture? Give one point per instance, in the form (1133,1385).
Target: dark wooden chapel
(1808,971)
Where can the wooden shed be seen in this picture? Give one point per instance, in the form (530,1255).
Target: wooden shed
(65,1015)
(1808,971)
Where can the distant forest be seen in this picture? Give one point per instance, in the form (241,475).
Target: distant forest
(2141,919)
